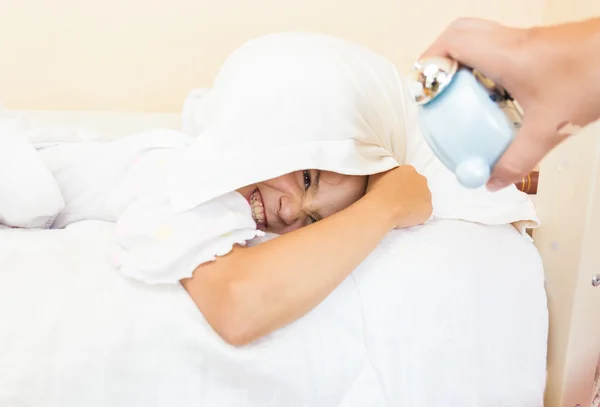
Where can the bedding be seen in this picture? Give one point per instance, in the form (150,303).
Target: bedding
(451,313)
(460,324)
(29,194)
(53,174)
(447,314)
(320,102)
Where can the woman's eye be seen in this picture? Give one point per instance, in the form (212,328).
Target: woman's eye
(307,183)
(306,175)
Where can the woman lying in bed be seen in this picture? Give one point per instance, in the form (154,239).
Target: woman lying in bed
(252,291)
(186,206)
(288,114)
(302,135)
(328,223)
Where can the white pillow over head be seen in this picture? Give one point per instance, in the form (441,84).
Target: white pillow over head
(288,102)
(294,101)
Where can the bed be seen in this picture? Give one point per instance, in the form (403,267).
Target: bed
(507,298)
(522,331)
(396,332)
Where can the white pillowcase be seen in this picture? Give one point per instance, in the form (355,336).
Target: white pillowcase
(29,195)
(292,101)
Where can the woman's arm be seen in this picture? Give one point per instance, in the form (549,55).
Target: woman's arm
(253,291)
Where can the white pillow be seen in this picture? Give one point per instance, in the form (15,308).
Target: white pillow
(292,101)
(29,195)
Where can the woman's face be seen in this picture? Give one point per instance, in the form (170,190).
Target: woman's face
(294,200)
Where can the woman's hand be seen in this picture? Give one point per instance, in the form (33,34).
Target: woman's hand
(403,192)
(551,71)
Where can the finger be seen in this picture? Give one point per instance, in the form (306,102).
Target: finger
(473,42)
(535,139)
(458,38)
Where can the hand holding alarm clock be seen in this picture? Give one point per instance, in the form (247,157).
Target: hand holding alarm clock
(494,100)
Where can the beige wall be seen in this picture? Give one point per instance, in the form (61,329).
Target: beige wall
(146,54)
(568,204)
(557,11)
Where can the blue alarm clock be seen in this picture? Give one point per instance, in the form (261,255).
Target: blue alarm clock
(467,120)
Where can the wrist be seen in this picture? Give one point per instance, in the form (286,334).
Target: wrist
(380,212)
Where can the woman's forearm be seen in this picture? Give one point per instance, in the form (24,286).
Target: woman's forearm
(575,67)
(253,291)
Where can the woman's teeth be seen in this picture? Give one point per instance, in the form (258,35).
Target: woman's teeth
(258,210)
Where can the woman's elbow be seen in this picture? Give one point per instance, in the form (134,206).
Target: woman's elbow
(228,314)
(234,335)
(228,324)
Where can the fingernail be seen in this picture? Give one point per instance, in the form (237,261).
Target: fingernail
(495,185)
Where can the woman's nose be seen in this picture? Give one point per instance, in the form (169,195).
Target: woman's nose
(290,210)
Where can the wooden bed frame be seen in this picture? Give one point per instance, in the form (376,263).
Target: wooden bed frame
(529,184)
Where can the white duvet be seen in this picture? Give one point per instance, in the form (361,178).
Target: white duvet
(447,314)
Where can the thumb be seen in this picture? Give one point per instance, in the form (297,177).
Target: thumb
(534,140)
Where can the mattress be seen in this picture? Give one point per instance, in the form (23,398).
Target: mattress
(447,314)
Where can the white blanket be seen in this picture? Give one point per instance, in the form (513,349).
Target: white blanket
(460,324)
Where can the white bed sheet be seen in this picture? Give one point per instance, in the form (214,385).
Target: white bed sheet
(462,324)
(413,326)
